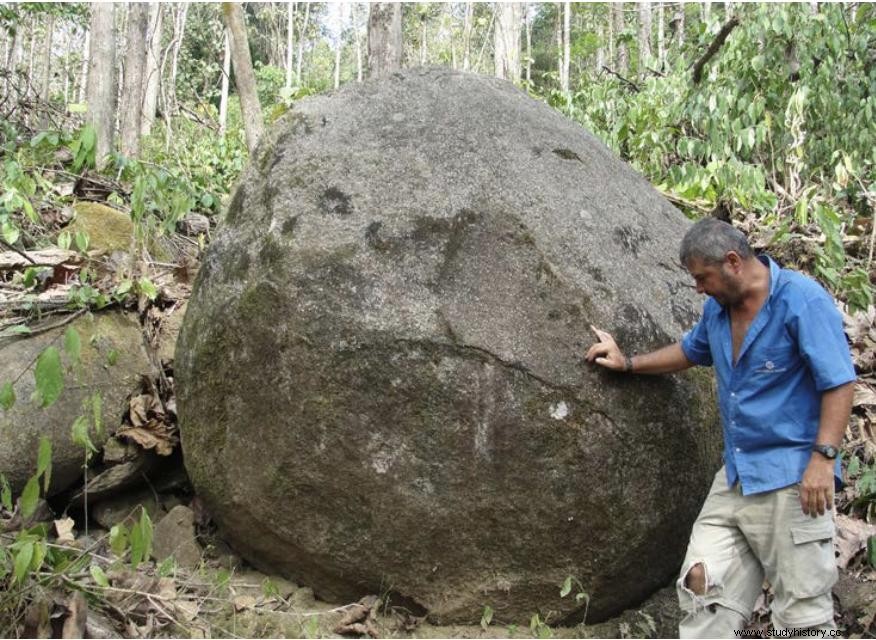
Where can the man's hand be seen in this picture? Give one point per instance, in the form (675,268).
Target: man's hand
(606,352)
(816,488)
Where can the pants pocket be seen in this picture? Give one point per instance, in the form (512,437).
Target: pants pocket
(812,571)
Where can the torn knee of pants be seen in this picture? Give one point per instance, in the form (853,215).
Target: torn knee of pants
(713,573)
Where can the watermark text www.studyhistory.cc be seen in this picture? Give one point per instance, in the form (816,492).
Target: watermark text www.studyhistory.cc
(787,633)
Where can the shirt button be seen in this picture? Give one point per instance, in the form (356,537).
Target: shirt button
(738,450)
(733,394)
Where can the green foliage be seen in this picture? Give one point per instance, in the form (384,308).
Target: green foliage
(49,377)
(539,628)
(99,576)
(782,120)
(84,148)
(7,396)
(44,462)
(141,539)
(486,617)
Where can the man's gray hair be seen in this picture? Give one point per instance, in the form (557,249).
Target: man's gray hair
(710,239)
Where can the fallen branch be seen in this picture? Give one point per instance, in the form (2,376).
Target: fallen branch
(717,43)
(632,84)
(41,258)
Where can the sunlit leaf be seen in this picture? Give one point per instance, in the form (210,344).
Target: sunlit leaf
(49,376)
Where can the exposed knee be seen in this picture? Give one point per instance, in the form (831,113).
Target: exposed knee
(696,579)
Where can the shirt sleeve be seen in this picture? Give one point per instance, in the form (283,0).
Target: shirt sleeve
(823,344)
(695,344)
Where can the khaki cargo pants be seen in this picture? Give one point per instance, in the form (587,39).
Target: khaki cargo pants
(739,540)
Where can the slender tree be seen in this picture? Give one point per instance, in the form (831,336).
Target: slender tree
(466,35)
(152,76)
(46,55)
(244,76)
(528,16)
(384,38)
(506,38)
(290,37)
(226,75)
(83,73)
(644,36)
(567,32)
(338,44)
(358,33)
(661,35)
(101,77)
(301,35)
(621,51)
(135,70)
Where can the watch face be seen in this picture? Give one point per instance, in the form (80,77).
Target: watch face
(827,451)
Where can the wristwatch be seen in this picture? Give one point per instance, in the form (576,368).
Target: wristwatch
(828,451)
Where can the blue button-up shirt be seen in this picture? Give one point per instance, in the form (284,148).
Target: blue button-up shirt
(770,400)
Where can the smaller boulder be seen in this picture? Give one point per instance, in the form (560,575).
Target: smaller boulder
(107,228)
(174,536)
(112,360)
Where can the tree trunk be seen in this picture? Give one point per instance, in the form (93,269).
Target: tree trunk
(46,62)
(422,41)
(528,47)
(226,75)
(644,36)
(600,51)
(301,35)
(661,35)
(83,73)
(567,31)
(622,61)
(290,36)
(179,34)
(32,46)
(152,77)
(135,67)
(610,29)
(707,11)
(384,39)
(338,43)
(244,77)
(101,91)
(358,33)
(67,51)
(507,40)
(466,36)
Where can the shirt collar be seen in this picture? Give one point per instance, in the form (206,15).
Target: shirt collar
(775,272)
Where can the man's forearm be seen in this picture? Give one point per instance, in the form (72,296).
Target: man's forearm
(836,406)
(665,360)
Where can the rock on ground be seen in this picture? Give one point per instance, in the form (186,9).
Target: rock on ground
(174,536)
(380,375)
(113,358)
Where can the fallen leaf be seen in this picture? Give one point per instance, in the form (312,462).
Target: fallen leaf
(186,609)
(149,437)
(243,602)
(167,588)
(864,395)
(851,538)
(64,529)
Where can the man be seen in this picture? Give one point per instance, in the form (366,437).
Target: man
(785,388)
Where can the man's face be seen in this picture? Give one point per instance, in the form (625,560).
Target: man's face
(717,280)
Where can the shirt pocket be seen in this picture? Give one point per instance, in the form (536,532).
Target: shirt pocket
(774,361)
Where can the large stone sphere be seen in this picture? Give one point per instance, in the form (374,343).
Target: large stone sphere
(380,375)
